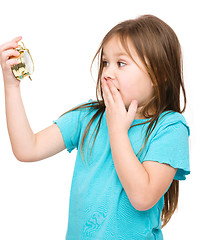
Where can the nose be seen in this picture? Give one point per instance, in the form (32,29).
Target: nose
(109,73)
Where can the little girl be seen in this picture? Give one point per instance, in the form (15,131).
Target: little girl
(133,143)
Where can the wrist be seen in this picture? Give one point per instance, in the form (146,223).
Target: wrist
(11,87)
(11,84)
(116,134)
(10,80)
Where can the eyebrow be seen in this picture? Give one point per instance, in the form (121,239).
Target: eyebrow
(119,54)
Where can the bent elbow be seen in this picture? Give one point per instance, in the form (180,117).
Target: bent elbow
(19,158)
(22,158)
(143,203)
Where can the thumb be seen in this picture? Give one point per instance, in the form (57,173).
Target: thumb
(132,110)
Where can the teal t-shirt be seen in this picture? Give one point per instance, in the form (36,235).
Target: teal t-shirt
(99,207)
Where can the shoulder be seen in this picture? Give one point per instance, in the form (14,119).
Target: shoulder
(80,109)
(172,119)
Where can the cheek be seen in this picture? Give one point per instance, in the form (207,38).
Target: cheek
(143,89)
(128,89)
(136,85)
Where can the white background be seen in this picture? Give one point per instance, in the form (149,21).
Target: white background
(63,37)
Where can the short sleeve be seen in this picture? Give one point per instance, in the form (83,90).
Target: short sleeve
(70,127)
(170,145)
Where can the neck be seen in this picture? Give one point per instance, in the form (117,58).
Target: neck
(139,114)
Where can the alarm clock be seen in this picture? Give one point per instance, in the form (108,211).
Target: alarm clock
(25,67)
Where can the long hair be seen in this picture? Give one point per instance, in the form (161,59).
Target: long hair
(159,50)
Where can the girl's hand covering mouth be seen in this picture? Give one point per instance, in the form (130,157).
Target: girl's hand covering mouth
(118,118)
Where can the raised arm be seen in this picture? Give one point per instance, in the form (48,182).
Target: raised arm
(26,145)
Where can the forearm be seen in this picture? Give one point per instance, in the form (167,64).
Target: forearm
(131,172)
(21,135)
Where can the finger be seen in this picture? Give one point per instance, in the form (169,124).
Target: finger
(12,61)
(9,53)
(107,93)
(103,92)
(17,39)
(115,93)
(11,44)
(132,110)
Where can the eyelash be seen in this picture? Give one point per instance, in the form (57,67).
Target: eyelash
(104,62)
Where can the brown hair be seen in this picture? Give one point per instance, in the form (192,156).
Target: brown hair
(159,49)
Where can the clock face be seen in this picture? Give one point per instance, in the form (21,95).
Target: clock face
(28,62)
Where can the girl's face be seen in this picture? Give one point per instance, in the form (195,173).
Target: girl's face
(132,81)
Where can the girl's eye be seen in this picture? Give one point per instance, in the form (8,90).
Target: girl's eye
(121,64)
(105,63)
